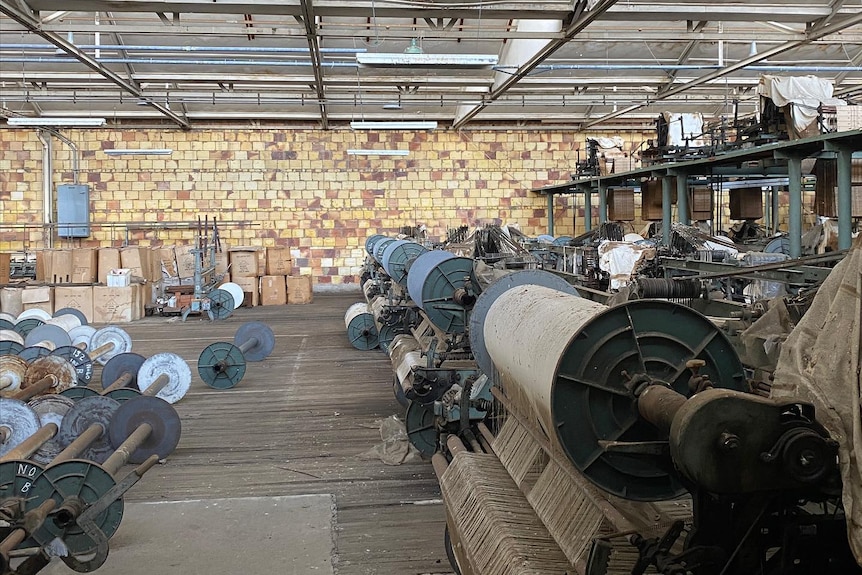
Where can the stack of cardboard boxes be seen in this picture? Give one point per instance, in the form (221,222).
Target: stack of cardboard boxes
(265,276)
(113,285)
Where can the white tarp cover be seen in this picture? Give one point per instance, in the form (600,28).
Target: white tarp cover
(806,92)
(610,143)
(819,364)
(620,259)
(684,129)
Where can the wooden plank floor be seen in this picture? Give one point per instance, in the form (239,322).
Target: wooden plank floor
(296,424)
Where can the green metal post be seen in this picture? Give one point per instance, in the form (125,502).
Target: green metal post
(588,209)
(603,203)
(666,204)
(794,174)
(682,213)
(845,203)
(550,214)
(774,209)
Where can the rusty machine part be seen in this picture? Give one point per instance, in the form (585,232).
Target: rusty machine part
(79,501)
(647,401)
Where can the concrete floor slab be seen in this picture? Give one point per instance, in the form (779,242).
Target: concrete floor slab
(290,535)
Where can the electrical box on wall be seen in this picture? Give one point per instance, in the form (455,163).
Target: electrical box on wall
(73,210)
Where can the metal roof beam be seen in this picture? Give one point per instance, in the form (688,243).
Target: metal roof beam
(310,21)
(29,21)
(812,35)
(571,29)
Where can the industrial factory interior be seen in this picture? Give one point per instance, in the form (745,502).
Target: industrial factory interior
(431,287)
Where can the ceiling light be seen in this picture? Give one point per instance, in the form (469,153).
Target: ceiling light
(378,152)
(56,122)
(409,125)
(382,60)
(139,152)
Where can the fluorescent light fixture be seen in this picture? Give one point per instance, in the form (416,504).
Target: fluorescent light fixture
(409,125)
(56,122)
(139,152)
(400,59)
(378,152)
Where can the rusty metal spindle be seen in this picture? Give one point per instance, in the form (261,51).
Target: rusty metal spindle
(119,383)
(30,445)
(79,444)
(158,385)
(33,519)
(119,457)
(35,389)
(107,347)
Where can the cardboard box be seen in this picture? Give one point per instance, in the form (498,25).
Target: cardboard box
(84,266)
(119,277)
(41,297)
(10,300)
(299,289)
(621,207)
(243,262)
(185,262)
(108,259)
(135,258)
(165,259)
(250,288)
(746,203)
(5,267)
(58,266)
(278,261)
(273,290)
(114,304)
(40,266)
(222,263)
(75,297)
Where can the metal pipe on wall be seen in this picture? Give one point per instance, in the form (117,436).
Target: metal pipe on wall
(47,186)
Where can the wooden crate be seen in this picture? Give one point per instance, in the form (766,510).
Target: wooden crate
(826,188)
(746,204)
(621,205)
(700,204)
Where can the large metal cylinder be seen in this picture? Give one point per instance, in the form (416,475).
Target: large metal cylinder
(380,246)
(386,331)
(490,295)
(397,257)
(361,330)
(569,361)
(440,283)
(370,241)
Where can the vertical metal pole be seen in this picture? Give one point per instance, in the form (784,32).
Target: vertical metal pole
(767,203)
(588,209)
(774,208)
(666,204)
(794,173)
(550,214)
(603,203)
(845,203)
(682,211)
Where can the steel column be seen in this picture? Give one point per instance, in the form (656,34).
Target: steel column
(550,214)
(845,203)
(774,208)
(794,173)
(682,212)
(588,209)
(666,204)
(603,203)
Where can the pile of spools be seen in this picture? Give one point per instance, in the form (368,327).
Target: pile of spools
(76,407)
(64,445)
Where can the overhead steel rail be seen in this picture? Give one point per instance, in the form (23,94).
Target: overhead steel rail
(787,155)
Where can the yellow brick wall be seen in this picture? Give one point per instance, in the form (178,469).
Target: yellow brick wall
(295,188)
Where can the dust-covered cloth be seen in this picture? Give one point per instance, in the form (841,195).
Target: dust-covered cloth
(820,364)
